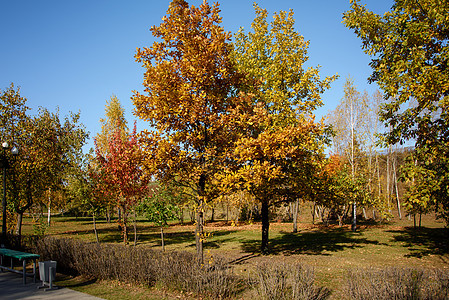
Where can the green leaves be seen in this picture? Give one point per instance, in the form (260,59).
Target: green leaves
(410,53)
(410,50)
(49,149)
(161,207)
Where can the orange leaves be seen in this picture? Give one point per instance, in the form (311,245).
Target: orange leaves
(189,81)
(334,165)
(121,168)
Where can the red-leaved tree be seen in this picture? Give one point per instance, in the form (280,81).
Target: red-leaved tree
(122,176)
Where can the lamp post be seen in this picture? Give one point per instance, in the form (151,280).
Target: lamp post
(5,166)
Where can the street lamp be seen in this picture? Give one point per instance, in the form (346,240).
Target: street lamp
(5,166)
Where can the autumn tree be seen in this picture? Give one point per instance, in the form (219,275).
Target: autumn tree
(114,117)
(282,147)
(373,127)
(189,80)
(12,117)
(49,149)
(13,113)
(122,177)
(410,51)
(85,189)
(333,189)
(348,121)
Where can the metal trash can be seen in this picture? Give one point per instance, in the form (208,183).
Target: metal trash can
(47,273)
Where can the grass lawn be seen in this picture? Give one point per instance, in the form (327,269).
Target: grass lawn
(330,250)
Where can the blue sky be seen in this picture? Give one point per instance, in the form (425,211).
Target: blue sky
(74,55)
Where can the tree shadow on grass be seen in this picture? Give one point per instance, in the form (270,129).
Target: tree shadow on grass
(423,241)
(110,234)
(322,242)
(170,238)
(67,281)
(174,238)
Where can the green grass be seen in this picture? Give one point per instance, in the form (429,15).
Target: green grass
(331,250)
(113,290)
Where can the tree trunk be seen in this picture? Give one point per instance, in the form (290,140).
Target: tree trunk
(124,227)
(212,217)
(313,212)
(295,215)
(250,218)
(19,224)
(199,234)
(388,179)
(318,210)
(192,215)
(162,239)
(181,216)
(49,209)
(354,217)
(95,228)
(354,209)
(398,202)
(379,186)
(119,211)
(340,220)
(265,226)
(135,227)
(108,214)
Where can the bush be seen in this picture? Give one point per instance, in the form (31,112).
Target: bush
(273,281)
(398,283)
(175,270)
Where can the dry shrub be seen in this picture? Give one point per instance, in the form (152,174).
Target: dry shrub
(175,270)
(398,283)
(181,271)
(283,281)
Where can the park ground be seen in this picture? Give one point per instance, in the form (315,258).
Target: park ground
(332,250)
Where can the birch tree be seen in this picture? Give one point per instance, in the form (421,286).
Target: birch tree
(410,54)
(348,121)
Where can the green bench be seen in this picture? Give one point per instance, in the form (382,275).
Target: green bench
(21,256)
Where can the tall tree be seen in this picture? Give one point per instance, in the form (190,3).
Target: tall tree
(122,177)
(13,116)
(49,150)
(348,121)
(85,190)
(114,118)
(189,82)
(373,128)
(410,50)
(281,150)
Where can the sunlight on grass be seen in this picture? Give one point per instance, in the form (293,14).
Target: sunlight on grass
(332,250)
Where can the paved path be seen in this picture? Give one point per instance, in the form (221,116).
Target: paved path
(11,287)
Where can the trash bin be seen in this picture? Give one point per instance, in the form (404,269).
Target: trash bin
(47,273)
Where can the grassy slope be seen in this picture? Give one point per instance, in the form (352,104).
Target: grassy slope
(331,250)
